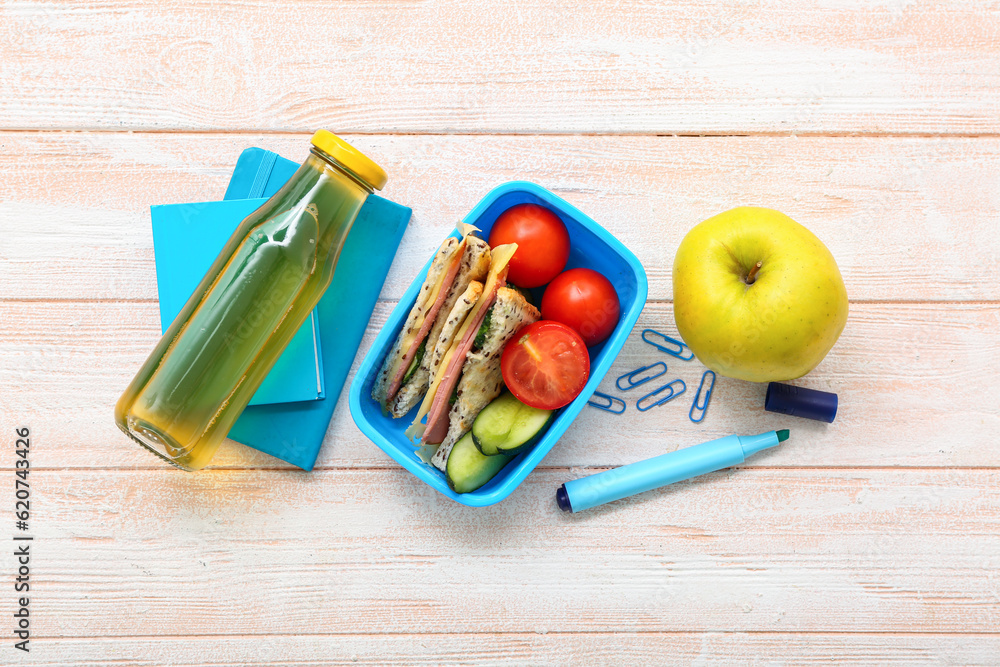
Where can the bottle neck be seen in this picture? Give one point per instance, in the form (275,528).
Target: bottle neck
(333,163)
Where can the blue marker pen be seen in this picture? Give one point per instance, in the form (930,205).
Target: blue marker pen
(586,492)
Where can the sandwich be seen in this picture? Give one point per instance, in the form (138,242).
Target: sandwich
(404,377)
(447,355)
(464,365)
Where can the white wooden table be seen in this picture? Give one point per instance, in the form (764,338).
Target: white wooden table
(871,540)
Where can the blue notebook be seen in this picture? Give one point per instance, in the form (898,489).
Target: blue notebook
(186,240)
(294,432)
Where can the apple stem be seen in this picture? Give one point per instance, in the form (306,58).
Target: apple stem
(752,276)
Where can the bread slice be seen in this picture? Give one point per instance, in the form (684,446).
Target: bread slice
(481,380)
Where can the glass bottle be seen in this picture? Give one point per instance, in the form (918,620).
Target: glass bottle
(261,288)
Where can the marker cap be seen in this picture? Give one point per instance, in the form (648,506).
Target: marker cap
(562,499)
(801,402)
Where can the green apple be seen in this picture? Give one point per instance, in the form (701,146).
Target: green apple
(757,296)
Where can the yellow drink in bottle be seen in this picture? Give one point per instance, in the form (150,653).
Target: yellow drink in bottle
(265,282)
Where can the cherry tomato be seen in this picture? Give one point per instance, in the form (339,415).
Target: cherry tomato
(545,365)
(542,243)
(584,300)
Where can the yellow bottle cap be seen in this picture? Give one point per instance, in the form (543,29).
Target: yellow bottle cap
(350,157)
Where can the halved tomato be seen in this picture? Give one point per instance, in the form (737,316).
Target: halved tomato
(545,365)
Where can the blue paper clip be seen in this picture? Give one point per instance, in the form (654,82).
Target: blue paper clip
(660,401)
(631,383)
(607,403)
(708,396)
(676,351)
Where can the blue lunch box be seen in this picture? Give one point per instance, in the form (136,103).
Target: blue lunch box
(591,246)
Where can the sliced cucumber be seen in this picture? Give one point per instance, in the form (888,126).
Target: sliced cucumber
(508,426)
(468,469)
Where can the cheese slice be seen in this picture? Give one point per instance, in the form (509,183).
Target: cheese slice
(500,257)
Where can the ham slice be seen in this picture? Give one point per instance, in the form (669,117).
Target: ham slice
(437,418)
(449,280)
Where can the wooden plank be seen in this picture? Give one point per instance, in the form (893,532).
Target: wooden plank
(163,554)
(907,219)
(712,648)
(918,386)
(697,67)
